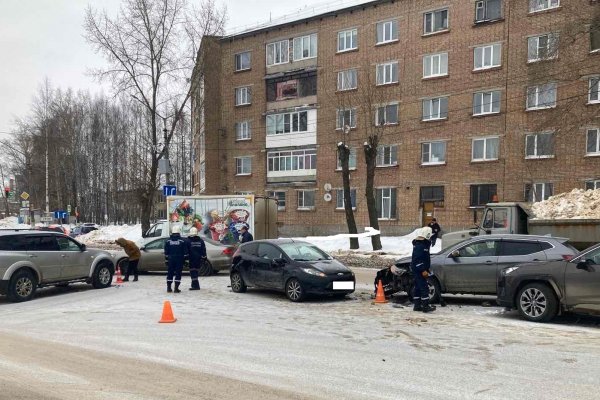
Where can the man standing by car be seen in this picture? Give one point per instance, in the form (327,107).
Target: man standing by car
(133,253)
(245,236)
(420,265)
(197,256)
(176,251)
(435,230)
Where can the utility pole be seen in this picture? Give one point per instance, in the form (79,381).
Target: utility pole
(5,194)
(47,197)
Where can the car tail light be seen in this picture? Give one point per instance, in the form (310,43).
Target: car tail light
(567,257)
(229,252)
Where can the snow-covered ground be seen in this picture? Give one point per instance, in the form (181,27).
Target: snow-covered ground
(12,223)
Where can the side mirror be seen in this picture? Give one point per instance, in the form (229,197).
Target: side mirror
(455,254)
(488,231)
(83,247)
(143,248)
(584,265)
(279,262)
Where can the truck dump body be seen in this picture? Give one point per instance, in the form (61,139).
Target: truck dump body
(582,233)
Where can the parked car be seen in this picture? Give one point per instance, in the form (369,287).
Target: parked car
(32,259)
(472,266)
(54,228)
(540,291)
(294,267)
(82,230)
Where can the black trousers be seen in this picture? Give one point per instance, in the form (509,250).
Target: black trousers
(132,268)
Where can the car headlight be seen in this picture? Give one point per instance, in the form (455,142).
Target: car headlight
(312,271)
(509,270)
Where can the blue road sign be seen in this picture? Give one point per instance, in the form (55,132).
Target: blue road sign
(169,190)
(60,214)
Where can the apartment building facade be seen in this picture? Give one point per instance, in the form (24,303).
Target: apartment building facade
(471,101)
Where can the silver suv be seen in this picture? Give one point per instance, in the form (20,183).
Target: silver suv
(31,259)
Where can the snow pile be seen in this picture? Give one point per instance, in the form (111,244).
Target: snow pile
(12,223)
(579,204)
(106,235)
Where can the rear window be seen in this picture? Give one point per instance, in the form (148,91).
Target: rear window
(519,247)
(547,246)
(42,243)
(6,242)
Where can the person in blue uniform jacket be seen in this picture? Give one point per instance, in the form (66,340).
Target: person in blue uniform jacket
(197,256)
(245,236)
(420,265)
(176,251)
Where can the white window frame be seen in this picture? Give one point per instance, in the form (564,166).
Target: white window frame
(591,94)
(274,193)
(285,160)
(537,91)
(240,58)
(541,186)
(596,132)
(243,166)
(280,120)
(243,96)
(551,48)
(592,32)
(339,196)
(384,108)
(351,160)
(490,104)
(386,70)
(429,145)
(434,20)
(389,152)
(483,5)
(243,131)
(301,194)
(301,42)
(392,23)
(594,182)
(341,118)
(386,215)
(435,107)
(284,52)
(347,40)
(485,148)
(495,49)
(347,79)
(536,149)
(542,5)
(430,60)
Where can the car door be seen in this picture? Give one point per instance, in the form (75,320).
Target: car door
(582,285)
(474,268)
(153,256)
(246,263)
(516,251)
(268,271)
(75,263)
(42,250)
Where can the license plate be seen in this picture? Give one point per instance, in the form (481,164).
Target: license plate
(343,285)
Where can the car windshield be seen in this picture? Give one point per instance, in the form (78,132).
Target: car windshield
(304,252)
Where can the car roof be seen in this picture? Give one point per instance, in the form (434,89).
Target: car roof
(519,237)
(279,241)
(5,232)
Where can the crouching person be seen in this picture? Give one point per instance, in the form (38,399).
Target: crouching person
(133,253)
(420,264)
(197,256)
(176,251)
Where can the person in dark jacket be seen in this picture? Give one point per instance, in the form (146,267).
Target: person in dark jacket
(176,251)
(133,253)
(420,265)
(197,256)
(245,236)
(435,231)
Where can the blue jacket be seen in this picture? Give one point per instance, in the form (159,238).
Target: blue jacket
(197,251)
(421,260)
(246,237)
(176,248)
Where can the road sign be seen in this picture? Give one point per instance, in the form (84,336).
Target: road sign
(60,214)
(25,204)
(46,219)
(169,190)
(69,209)
(24,195)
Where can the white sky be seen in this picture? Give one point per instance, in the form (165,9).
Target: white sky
(44,38)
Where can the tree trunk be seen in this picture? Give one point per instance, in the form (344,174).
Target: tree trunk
(371,159)
(344,154)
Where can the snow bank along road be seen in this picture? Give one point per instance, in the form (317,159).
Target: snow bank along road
(258,345)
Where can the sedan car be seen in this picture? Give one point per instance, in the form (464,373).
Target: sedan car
(294,267)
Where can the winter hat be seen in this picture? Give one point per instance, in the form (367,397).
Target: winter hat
(193,232)
(176,229)
(426,232)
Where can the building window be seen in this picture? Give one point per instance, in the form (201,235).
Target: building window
(296,122)
(351,159)
(543,47)
(486,103)
(386,203)
(387,31)
(243,96)
(305,47)
(292,86)
(297,160)
(243,165)
(346,117)
(538,191)
(541,96)
(594,92)
(387,73)
(339,198)
(488,10)
(435,21)
(348,40)
(386,115)
(306,199)
(539,145)
(592,185)
(280,196)
(485,149)
(434,109)
(541,5)
(243,61)
(593,142)
(435,65)
(278,53)
(387,156)
(432,194)
(482,194)
(488,56)
(595,37)
(433,153)
(243,131)
(347,79)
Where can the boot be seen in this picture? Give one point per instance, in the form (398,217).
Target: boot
(195,285)
(417,306)
(126,279)
(177,287)
(169,290)
(135,278)
(426,307)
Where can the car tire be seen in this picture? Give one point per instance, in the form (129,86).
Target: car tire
(103,275)
(435,290)
(536,302)
(294,290)
(22,286)
(206,269)
(237,283)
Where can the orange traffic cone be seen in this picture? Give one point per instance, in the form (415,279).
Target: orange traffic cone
(167,314)
(380,297)
(119,279)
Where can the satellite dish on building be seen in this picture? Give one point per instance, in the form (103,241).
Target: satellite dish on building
(327,197)
(327,187)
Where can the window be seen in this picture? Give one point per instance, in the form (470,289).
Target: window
(278,53)
(243,96)
(543,47)
(347,79)
(433,153)
(482,194)
(488,56)
(593,142)
(519,247)
(432,194)
(339,198)
(305,47)
(387,156)
(242,131)
(297,160)
(484,248)
(292,86)
(486,103)
(156,245)
(296,122)
(594,93)
(347,40)
(435,65)
(540,5)
(485,149)
(488,10)
(386,203)
(387,73)
(268,251)
(346,118)
(592,185)
(242,61)
(280,196)
(66,244)
(386,115)
(243,165)
(435,21)
(595,37)
(387,31)
(539,145)
(541,96)
(538,191)
(351,160)
(306,199)
(434,109)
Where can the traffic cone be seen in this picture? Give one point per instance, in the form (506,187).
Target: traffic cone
(119,279)
(167,314)
(380,297)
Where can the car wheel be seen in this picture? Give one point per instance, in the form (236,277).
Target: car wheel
(22,286)
(103,275)
(537,302)
(237,283)
(435,290)
(206,269)
(294,290)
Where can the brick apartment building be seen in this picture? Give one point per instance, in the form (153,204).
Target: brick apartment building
(471,100)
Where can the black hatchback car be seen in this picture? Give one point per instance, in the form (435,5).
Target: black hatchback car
(294,267)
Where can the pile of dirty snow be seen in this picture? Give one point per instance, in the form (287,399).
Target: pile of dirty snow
(12,223)
(105,236)
(577,204)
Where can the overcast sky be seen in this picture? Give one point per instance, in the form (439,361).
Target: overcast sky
(43,38)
